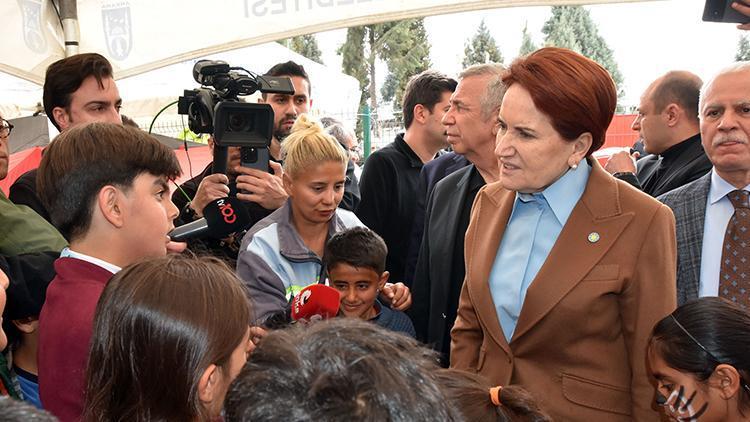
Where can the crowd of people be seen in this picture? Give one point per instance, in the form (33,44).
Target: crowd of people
(484,266)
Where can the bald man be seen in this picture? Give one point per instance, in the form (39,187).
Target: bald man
(667,122)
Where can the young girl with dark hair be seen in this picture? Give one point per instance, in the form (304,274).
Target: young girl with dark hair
(170,334)
(700,357)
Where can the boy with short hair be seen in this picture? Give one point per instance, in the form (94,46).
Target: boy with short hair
(355,261)
(106,188)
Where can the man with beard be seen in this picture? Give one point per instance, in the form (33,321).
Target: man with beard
(262,192)
(711,213)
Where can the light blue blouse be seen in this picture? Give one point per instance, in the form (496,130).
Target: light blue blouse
(534,225)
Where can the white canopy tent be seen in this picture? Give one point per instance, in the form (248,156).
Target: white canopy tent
(333,92)
(141,35)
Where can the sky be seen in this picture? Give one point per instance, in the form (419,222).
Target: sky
(648,38)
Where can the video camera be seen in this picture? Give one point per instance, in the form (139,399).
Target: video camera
(219,111)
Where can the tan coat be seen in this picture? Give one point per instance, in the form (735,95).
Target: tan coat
(580,342)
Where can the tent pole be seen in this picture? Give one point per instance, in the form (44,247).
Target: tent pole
(71,31)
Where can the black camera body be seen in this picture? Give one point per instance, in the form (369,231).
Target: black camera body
(216,109)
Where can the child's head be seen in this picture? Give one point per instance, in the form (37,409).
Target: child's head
(110,179)
(314,171)
(699,357)
(472,397)
(355,259)
(169,336)
(341,369)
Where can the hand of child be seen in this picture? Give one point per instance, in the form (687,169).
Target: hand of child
(398,295)
(256,334)
(176,247)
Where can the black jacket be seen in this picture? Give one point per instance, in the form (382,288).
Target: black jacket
(679,165)
(433,278)
(389,186)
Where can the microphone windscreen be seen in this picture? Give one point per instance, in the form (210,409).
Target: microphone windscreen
(316,301)
(226,216)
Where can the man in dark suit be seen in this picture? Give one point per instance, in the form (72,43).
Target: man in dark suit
(710,262)
(431,173)
(668,124)
(471,124)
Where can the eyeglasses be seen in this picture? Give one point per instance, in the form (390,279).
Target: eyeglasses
(5,128)
(711,355)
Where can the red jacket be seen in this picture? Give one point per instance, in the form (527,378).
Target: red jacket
(65,328)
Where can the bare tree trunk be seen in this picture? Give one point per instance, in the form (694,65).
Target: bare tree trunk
(373,85)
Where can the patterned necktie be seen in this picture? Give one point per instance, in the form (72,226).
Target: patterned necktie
(734,279)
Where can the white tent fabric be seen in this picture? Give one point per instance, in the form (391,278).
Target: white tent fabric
(333,93)
(142,35)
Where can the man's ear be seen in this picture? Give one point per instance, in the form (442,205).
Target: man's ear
(726,379)
(26,325)
(383,279)
(581,146)
(109,202)
(420,113)
(208,384)
(672,113)
(62,118)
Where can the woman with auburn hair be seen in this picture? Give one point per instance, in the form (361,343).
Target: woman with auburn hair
(700,357)
(567,268)
(170,335)
(282,253)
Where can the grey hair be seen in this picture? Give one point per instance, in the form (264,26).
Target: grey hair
(336,128)
(493,95)
(737,67)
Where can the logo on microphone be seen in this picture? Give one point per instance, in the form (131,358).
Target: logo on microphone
(227,212)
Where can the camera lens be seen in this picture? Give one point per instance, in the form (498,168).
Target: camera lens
(239,122)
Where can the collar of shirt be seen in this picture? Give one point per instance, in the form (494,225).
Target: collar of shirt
(719,188)
(673,152)
(404,148)
(563,195)
(68,253)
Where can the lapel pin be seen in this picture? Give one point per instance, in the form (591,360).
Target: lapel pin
(594,237)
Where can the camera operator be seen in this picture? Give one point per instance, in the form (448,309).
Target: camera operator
(264,191)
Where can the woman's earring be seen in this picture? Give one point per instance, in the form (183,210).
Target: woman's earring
(574,166)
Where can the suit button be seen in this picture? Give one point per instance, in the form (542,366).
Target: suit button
(444,317)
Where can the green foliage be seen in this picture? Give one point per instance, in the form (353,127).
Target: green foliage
(402,45)
(743,49)
(481,48)
(305,45)
(572,27)
(527,44)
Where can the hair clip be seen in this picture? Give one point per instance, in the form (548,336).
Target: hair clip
(495,395)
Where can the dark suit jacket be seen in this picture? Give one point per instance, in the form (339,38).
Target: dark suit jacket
(432,281)
(431,174)
(689,163)
(580,342)
(689,206)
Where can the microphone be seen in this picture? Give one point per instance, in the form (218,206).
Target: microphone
(222,217)
(316,302)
